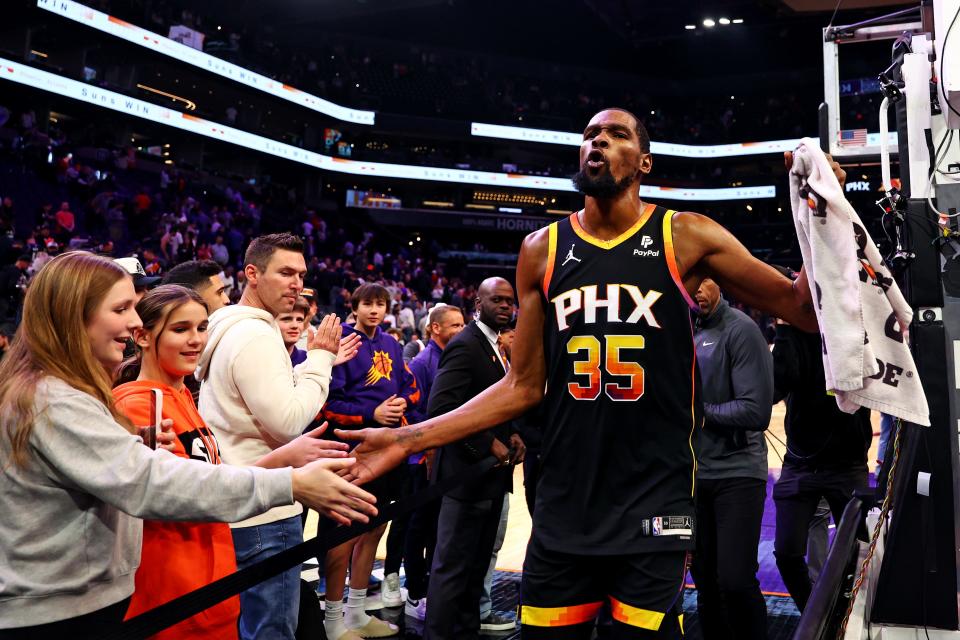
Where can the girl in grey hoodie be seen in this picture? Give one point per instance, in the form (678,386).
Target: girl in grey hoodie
(74,479)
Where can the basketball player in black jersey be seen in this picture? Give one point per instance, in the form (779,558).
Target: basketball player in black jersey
(604,327)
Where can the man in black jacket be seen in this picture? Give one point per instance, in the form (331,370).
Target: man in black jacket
(737,375)
(826,452)
(470,514)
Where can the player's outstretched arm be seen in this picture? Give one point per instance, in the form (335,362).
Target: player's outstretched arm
(704,249)
(379,450)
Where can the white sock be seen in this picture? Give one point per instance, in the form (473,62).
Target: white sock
(333,619)
(355,616)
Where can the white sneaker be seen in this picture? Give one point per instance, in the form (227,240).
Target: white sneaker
(416,609)
(390,593)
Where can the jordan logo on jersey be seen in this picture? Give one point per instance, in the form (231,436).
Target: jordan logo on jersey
(585,300)
(570,256)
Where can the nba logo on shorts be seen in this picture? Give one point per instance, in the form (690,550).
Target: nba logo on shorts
(657,526)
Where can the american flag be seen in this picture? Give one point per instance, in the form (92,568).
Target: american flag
(853,138)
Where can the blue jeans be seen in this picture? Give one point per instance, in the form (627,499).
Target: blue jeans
(887,429)
(271,608)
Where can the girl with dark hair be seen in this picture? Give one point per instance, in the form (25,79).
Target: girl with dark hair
(178,557)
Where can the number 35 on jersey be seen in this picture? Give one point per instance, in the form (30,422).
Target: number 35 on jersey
(606,365)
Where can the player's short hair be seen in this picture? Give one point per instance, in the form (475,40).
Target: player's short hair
(261,249)
(639,128)
(367,292)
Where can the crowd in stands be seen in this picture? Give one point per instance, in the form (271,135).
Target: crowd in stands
(166,220)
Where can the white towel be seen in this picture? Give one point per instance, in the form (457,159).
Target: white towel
(863,316)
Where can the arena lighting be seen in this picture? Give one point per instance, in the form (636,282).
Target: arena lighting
(39,53)
(709,23)
(173,49)
(504,132)
(724,21)
(690,27)
(190,104)
(738,21)
(45,81)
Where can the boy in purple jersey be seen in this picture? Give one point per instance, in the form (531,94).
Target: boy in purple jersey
(374,389)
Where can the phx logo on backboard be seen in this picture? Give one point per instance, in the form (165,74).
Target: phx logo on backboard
(381,369)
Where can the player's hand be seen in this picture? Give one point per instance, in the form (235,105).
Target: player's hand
(349,347)
(500,451)
(327,336)
(309,447)
(390,411)
(838,171)
(318,486)
(166,439)
(378,451)
(518,450)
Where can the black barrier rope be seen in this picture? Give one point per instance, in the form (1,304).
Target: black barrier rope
(190,604)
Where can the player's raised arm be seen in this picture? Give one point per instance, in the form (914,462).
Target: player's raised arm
(705,249)
(382,449)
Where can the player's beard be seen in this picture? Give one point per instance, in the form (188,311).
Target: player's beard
(603,186)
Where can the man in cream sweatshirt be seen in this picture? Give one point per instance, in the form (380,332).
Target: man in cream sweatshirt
(255,401)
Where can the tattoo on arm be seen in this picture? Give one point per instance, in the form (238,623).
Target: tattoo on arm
(416,434)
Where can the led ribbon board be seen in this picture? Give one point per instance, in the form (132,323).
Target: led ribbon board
(45,81)
(173,49)
(503,132)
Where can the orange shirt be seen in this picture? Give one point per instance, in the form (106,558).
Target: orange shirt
(178,557)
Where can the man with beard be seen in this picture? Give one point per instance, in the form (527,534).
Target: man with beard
(604,339)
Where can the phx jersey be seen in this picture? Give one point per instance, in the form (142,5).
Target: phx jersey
(622,394)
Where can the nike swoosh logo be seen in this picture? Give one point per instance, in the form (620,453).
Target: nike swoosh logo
(707,344)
